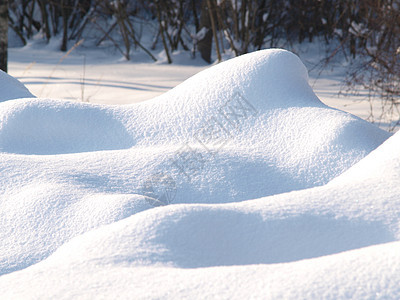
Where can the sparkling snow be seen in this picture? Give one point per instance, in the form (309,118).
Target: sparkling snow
(271,193)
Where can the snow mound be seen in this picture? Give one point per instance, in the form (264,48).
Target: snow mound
(293,245)
(11,88)
(55,127)
(383,164)
(245,129)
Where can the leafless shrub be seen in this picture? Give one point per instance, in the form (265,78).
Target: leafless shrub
(377,68)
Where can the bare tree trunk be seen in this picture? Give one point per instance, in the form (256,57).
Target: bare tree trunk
(3,34)
(161,25)
(211,9)
(65,16)
(195,16)
(204,45)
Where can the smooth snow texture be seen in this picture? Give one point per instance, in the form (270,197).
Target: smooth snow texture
(247,128)
(11,88)
(235,251)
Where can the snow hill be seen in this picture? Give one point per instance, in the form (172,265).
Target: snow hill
(11,88)
(80,183)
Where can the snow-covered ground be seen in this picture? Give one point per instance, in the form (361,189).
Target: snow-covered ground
(96,76)
(272,194)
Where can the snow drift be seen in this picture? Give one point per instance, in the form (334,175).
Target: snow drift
(247,128)
(11,88)
(236,250)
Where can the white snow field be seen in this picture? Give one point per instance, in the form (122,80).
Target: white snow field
(271,193)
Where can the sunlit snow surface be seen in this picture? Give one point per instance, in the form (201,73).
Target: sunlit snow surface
(79,184)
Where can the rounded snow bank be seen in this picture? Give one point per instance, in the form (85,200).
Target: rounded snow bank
(11,88)
(381,164)
(247,128)
(45,127)
(272,78)
(244,129)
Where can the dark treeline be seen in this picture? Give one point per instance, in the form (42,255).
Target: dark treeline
(238,25)
(369,29)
